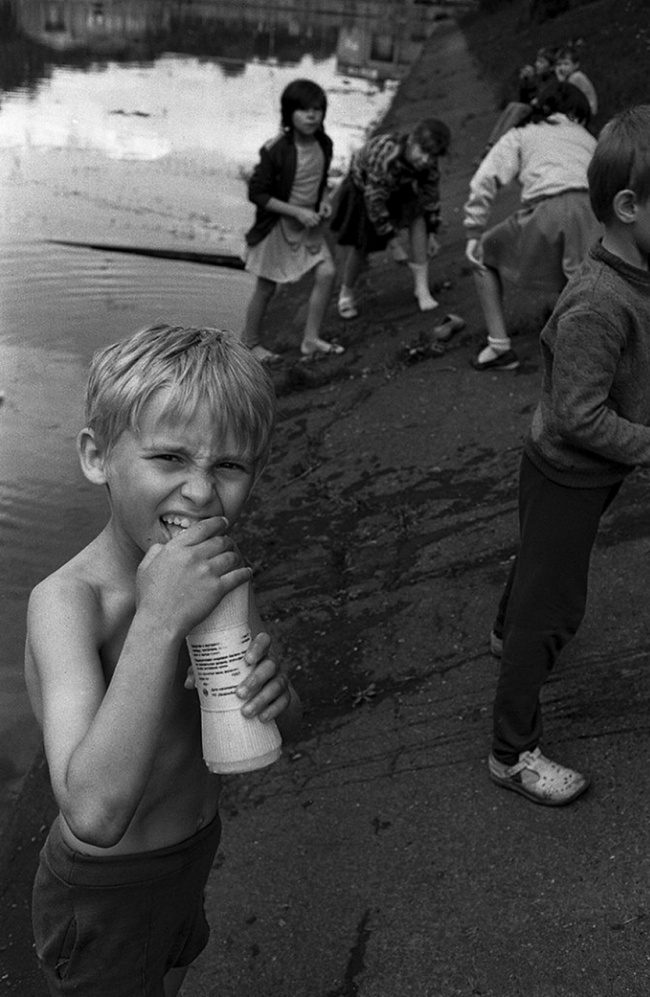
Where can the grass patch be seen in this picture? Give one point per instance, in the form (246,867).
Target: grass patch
(615,50)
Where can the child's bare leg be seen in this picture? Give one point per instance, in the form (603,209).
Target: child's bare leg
(418,238)
(323,283)
(174,981)
(257,306)
(490,294)
(352,267)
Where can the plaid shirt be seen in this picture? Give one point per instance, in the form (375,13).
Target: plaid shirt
(380,170)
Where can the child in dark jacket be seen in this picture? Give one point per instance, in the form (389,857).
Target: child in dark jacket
(288,187)
(591,428)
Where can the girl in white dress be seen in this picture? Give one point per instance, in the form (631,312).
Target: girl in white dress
(288,187)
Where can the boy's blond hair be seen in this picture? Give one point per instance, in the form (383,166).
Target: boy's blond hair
(621,161)
(195,365)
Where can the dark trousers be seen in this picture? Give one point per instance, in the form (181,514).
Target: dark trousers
(544,599)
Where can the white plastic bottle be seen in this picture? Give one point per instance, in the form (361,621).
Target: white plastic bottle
(231,741)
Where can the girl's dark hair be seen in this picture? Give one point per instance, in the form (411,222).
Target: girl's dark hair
(560,98)
(301,95)
(432,135)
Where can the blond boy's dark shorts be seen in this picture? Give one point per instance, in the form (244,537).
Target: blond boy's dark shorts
(113,926)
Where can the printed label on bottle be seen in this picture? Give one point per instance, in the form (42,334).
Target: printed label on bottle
(219,667)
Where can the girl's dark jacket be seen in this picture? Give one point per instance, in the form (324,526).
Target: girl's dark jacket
(273,177)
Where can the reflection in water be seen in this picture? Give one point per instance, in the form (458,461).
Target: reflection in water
(373,37)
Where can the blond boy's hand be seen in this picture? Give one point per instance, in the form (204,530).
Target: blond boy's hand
(267,690)
(182,581)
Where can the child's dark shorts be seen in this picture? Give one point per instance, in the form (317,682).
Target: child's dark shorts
(542,244)
(112,926)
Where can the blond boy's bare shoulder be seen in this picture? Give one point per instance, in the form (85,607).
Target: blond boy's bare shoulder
(87,590)
(65,611)
(81,578)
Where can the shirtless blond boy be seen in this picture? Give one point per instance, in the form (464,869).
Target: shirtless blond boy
(178,427)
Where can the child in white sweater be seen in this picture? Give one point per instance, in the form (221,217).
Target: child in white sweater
(543,243)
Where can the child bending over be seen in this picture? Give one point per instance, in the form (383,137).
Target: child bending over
(590,430)
(178,429)
(544,242)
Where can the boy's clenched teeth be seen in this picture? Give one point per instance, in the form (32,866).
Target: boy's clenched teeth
(175,524)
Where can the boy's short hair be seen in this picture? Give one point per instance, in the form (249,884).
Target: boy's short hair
(301,95)
(621,161)
(195,365)
(432,135)
(568,51)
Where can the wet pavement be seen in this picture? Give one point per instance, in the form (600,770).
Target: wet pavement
(376,859)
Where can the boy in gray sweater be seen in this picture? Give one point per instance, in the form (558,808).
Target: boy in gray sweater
(591,428)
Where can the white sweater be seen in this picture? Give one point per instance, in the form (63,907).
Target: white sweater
(547,158)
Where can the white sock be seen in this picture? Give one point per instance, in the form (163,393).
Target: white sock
(346,293)
(420,273)
(494,348)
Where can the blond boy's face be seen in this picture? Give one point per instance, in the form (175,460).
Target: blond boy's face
(172,473)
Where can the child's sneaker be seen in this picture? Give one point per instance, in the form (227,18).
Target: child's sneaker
(539,779)
(508,360)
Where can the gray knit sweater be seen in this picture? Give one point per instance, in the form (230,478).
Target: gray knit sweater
(592,424)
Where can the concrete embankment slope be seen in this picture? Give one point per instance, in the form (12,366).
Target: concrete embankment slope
(376,859)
